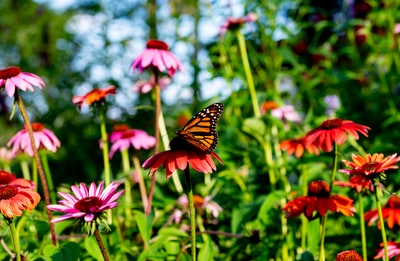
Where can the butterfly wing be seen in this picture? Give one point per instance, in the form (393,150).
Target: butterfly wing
(200,131)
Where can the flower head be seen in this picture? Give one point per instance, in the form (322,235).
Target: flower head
(236,23)
(357,182)
(393,251)
(286,113)
(390,212)
(123,137)
(370,166)
(16,195)
(268,106)
(172,160)
(297,146)
(44,139)
(157,57)
(6,155)
(12,78)
(335,131)
(95,96)
(87,205)
(349,255)
(146,86)
(332,104)
(318,199)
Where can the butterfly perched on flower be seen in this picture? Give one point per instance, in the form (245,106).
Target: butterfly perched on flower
(200,131)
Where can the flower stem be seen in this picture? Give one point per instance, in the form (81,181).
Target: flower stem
(189,192)
(157,136)
(322,238)
(14,239)
(378,194)
(304,220)
(128,186)
(103,133)
(247,71)
(28,126)
(49,178)
(362,226)
(101,244)
(165,140)
(324,218)
(142,186)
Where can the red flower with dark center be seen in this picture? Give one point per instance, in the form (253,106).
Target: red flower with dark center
(370,166)
(390,212)
(95,96)
(172,160)
(318,199)
(358,183)
(335,131)
(297,146)
(14,199)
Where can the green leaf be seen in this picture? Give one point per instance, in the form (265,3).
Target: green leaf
(144,223)
(270,202)
(206,252)
(255,127)
(93,248)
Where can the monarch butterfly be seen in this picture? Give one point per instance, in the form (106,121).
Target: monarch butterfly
(200,131)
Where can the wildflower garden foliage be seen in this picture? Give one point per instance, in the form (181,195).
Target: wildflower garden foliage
(200,130)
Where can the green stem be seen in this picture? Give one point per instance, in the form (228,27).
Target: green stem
(101,244)
(322,237)
(324,218)
(189,192)
(14,239)
(28,126)
(269,161)
(247,71)
(157,136)
(304,220)
(142,186)
(334,169)
(104,139)
(48,177)
(165,140)
(128,186)
(362,226)
(25,170)
(378,194)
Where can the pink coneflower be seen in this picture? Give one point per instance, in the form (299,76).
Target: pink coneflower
(16,195)
(157,57)
(6,155)
(87,205)
(124,137)
(393,251)
(147,86)
(286,113)
(12,78)
(95,96)
(235,23)
(44,139)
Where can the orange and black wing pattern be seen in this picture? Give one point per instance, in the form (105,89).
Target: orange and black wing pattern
(200,131)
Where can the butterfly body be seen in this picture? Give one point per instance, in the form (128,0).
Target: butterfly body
(200,131)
